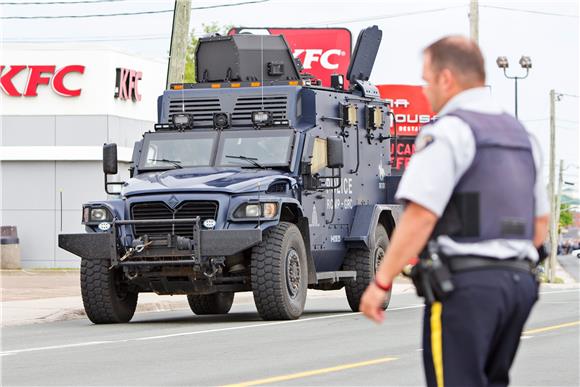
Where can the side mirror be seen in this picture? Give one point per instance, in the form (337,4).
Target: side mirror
(110,159)
(335,157)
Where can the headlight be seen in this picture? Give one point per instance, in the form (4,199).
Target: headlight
(252,211)
(269,210)
(182,121)
(261,118)
(257,210)
(96,214)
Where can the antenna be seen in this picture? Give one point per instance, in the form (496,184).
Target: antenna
(262,71)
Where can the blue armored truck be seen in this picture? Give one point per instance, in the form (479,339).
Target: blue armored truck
(254,179)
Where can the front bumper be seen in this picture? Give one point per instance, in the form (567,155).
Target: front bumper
(205,243)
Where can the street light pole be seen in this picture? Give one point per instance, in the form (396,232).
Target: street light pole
(525,63)
(516,94)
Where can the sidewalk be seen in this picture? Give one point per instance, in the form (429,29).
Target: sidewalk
(37,296)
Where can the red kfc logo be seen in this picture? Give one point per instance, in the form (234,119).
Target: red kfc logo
(127,84)
(322,51)
(309,58)
(39,75)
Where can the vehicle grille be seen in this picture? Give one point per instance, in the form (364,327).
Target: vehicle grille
(277,187)
(201,108)
(159,210)
(242,115)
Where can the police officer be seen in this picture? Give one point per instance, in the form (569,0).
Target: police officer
(474,190)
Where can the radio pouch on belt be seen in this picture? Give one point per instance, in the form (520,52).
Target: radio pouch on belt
(440,280)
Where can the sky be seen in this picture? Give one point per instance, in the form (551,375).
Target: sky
(547,31)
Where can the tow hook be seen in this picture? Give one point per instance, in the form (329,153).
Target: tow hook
(216,264)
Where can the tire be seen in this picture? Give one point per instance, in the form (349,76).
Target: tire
(365,263)
(106,297)
(216,303)
(279,273)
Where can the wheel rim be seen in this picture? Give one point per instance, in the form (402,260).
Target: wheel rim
(293,273)
(378,258)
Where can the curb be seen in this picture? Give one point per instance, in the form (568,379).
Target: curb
(77,312)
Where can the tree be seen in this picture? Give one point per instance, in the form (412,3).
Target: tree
(210,28)
(566,217)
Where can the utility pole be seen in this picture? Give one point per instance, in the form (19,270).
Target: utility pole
(179,36)
(552,186)
(559,197)
(557,200)
(474,20)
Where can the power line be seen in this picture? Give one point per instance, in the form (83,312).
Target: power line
(95,39)
(574,128)
(528,11)
(380,17)
(128,13)
(547,118)
(568,95)
(89,39)
(161,37)
(59,2)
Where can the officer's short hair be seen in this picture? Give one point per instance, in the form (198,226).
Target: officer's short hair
(460,55)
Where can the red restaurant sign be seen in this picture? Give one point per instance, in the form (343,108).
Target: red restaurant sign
(39,75)
(412,110)
(127,84)
(322,51)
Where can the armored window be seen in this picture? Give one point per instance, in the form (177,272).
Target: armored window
(173,150)
(266,147)
(319,155)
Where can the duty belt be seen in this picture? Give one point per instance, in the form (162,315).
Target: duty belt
(465,263)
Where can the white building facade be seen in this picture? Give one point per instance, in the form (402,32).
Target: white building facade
(59,104)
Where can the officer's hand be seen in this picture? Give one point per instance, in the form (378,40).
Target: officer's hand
(371,303)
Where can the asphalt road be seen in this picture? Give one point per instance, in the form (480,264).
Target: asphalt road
(328,346)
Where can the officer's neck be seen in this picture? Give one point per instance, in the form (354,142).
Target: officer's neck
(453,95)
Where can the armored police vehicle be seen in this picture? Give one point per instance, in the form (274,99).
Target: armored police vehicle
(253,180)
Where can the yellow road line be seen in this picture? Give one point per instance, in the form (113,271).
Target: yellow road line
(298,375)
(551,328)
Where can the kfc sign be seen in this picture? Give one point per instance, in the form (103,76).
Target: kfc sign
(127,84)
(47,75)
(322,51)
(309,58)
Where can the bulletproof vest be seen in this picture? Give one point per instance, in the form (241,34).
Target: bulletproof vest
(494,199)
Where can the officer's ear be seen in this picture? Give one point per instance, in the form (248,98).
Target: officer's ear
(446,78)
(449,82)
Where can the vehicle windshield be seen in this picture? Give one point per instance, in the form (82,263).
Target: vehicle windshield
(248,149)
(264,148)
(166,151)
